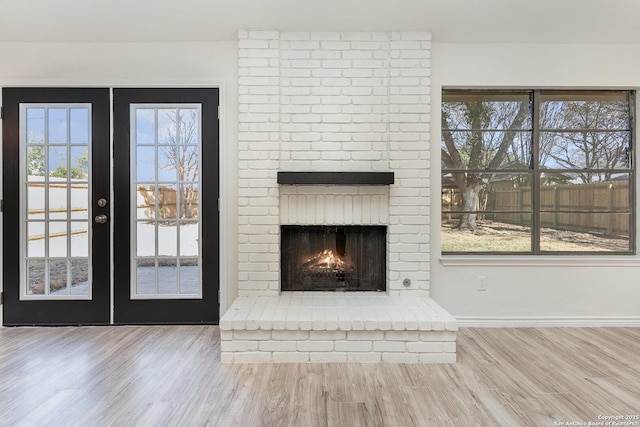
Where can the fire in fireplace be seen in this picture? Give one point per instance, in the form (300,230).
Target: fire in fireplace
(333,258)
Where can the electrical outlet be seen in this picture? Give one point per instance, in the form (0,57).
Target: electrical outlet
(482,283)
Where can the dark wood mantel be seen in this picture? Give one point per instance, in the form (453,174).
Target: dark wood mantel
(335,178)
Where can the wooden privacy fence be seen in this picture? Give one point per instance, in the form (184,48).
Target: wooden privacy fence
(167,202)
(567,207)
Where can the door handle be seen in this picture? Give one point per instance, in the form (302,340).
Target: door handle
(101,219)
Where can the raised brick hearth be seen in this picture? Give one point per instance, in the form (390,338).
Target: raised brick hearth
(338,327)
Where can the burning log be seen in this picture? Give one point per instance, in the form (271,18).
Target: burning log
(325,261)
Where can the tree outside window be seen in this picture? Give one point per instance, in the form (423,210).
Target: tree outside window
(537,172)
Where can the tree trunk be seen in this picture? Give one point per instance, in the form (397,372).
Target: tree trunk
(470,203)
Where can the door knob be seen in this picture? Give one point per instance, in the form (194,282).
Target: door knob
(101,219)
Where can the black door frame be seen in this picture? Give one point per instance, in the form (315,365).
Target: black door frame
(171,311)
(95,311)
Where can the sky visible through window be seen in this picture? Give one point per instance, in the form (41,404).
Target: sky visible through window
(58,126)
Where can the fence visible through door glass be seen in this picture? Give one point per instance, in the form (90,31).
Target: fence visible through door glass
(55,191)
(165,200)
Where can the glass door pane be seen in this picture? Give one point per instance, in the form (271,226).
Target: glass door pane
(55,144)
(165,201)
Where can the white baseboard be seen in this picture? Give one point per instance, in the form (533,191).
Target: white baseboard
(548,322)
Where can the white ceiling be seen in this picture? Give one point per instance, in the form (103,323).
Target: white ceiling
(518,21)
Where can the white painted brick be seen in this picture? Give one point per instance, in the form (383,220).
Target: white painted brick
(252,357)
(357,54)
(389,346)
(381,36)
(438,325)
(415,72)
(324,36)
(290,357)
(289,346)
(315,346)
(328,357)
(295,36)
(303,137)
(299,90)
(327,335)
(264,72)
(306,63)
(357,36)
(251,335)
(258,53)
(307,100)
(290,335)
(364,357)
(226,357)
(326,54)
(254,99)
(335,45)
(318,313)
(357,91)
(279,323)
(353,346)
(327,72)
(331,133)
(366,63)
(437,358)
(327,91)
(269,108)
(400,357)
(253,62)
(238,345)
(366,156)
(295,72)
(367,100)
(425,347)
(263,34)
(406,45)
(336,156)
(283,81)
(261,90)
(422,54)
(449,347)
(336,63)
(410,90)
(305,44)
(401,335)
(305,82)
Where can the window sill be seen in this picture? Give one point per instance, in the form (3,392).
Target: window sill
(546,261)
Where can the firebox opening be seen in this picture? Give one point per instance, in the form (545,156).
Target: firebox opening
(333,258)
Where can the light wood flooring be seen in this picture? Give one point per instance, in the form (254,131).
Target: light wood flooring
(172,376)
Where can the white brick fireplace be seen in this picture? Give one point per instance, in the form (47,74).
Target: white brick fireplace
(335,102)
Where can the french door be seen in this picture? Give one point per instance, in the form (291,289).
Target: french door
(56,264)
(58,214)
(166,206)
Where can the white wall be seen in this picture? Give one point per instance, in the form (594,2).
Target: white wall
(147,64)
(531,291)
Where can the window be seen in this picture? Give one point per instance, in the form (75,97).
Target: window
(537,172)
(55,144)
(165,208)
